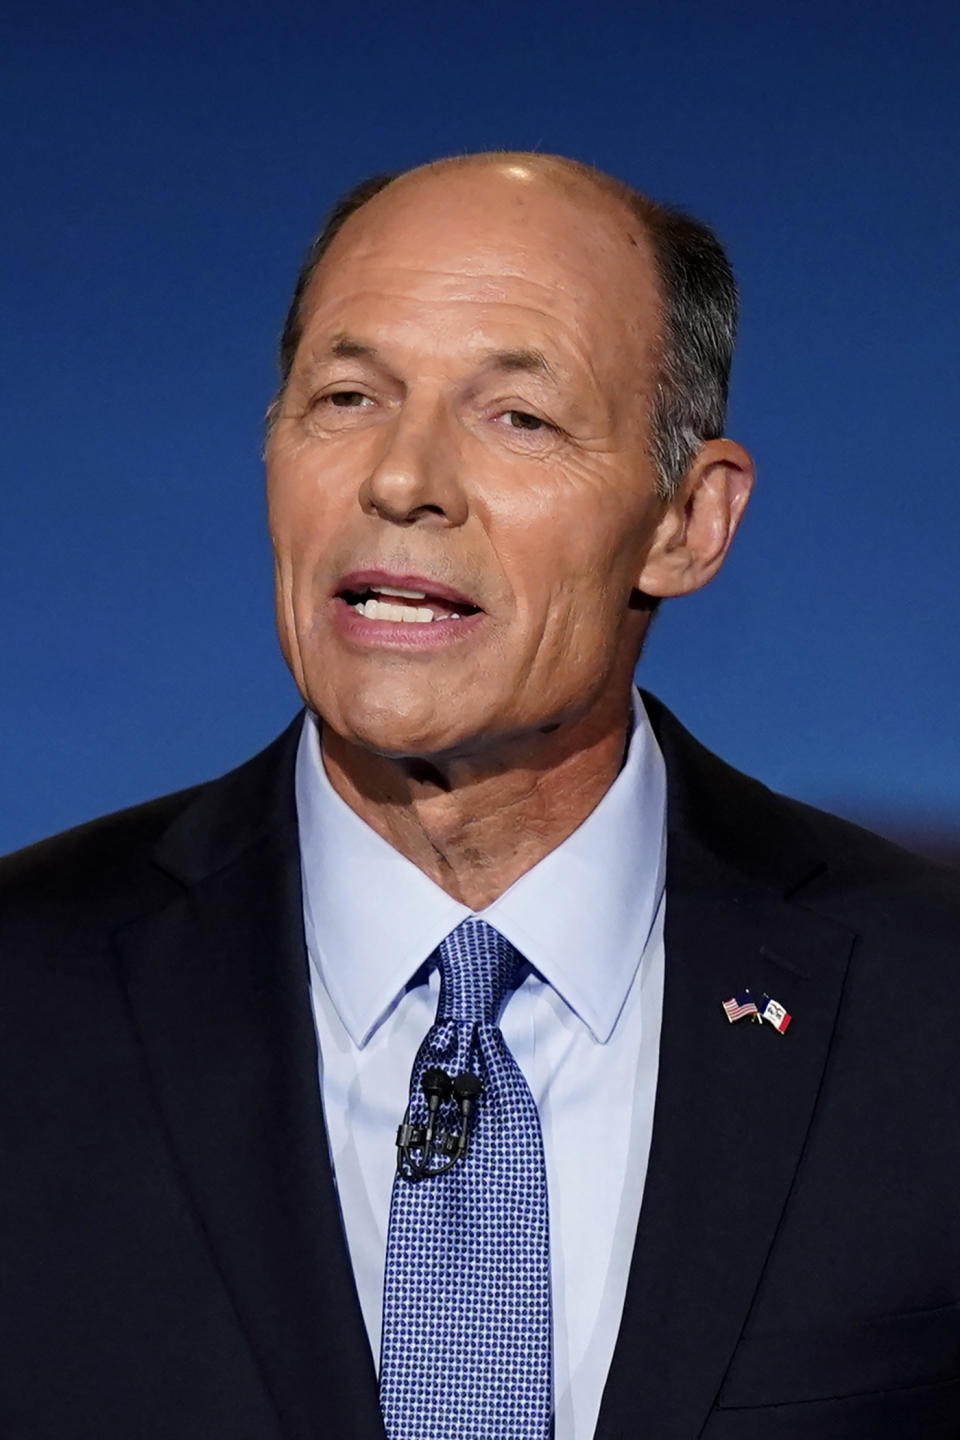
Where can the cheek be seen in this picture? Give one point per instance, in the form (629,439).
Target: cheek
(575,544)
(302,511)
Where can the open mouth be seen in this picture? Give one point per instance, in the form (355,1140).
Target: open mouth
(404,607)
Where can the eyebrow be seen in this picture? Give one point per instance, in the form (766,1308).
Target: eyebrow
(345,347)
(524,359)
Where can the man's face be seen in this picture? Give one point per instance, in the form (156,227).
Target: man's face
(466,420)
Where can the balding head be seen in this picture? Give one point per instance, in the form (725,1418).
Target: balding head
(694,328)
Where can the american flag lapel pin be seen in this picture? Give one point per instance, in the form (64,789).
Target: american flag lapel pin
(739,1006)
(774,1014)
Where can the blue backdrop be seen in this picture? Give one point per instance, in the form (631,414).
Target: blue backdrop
(164,166)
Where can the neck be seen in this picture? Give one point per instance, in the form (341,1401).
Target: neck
(476,824)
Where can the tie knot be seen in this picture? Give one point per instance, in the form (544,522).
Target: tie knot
(477,967)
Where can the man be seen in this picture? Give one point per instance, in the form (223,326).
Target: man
(484,890)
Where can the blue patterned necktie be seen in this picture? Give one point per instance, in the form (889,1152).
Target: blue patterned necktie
(466,1348)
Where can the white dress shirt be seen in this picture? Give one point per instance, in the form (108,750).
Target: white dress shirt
(583,1025)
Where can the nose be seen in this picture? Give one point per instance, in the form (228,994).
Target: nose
(416,478)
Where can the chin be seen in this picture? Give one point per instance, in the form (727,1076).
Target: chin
(398,720)
(399,737)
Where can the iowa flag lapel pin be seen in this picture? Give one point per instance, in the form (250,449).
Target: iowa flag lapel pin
(774,1014)
(742,1006)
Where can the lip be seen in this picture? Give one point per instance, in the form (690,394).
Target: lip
(370,579)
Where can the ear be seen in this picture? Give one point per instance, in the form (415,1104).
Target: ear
(698,524)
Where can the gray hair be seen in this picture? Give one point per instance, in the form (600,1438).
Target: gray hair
(698,321)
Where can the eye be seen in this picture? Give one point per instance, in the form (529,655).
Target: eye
(336,410)
(347,399)
(526,431)
(523,420)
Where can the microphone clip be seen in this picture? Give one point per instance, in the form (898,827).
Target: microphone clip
(424,1151)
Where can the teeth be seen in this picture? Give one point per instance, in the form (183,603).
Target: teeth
(381,610)
(404,594)
(408,614)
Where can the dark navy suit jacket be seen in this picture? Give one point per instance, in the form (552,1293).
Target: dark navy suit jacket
(172,1261)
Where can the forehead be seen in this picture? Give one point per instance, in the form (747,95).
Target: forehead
(496,244)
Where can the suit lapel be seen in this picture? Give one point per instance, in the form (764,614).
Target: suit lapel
(734,1102)
(218,988)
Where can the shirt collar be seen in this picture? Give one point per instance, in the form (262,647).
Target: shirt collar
(581,916)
